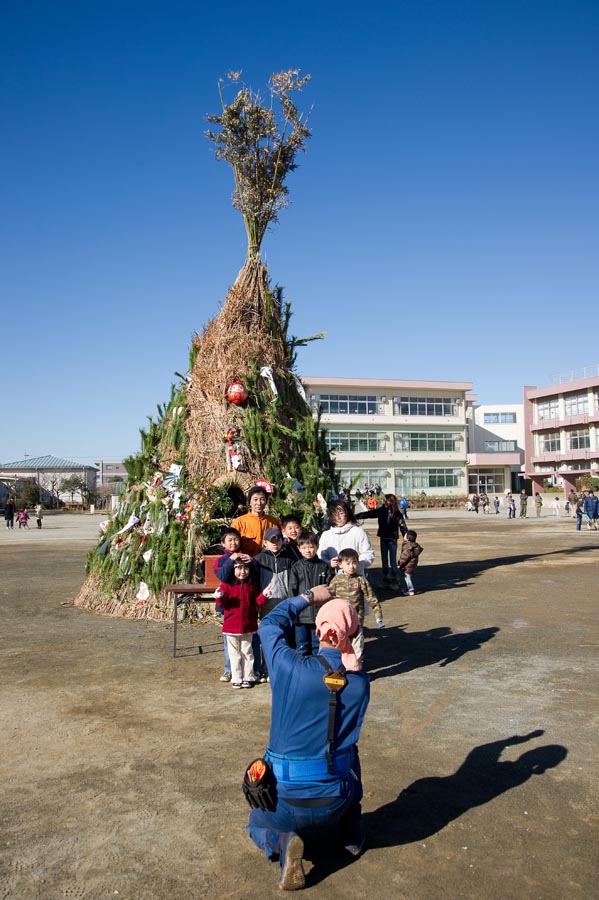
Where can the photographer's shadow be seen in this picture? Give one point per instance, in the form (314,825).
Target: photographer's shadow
(429,804)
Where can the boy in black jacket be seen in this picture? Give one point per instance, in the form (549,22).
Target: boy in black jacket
(306,573)
(273,565)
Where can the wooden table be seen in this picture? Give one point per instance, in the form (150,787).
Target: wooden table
(181,594)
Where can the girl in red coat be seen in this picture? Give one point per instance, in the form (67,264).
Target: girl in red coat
(240,601)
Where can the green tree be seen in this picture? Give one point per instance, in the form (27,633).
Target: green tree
(73,484)
(28,492)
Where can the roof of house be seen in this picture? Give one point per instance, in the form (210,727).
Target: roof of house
(45,462)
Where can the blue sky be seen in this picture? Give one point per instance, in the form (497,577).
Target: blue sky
(443,221)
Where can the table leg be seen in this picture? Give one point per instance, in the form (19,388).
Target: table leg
(175,604)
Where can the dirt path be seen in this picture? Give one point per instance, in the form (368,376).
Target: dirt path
(121,767)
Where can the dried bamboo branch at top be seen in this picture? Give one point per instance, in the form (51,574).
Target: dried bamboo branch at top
(260,144)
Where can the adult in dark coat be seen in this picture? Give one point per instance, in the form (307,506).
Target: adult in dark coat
(9,513)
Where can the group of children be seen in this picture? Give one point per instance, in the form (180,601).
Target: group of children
(288,565)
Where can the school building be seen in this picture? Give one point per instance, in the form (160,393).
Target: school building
(414,436)
(562,429)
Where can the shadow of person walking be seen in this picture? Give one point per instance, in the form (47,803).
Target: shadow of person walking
(429,804)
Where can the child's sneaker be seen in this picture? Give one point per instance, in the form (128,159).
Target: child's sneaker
(247,684)
(226,676)
(236,685)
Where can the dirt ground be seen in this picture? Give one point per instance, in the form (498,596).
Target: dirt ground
(121,766)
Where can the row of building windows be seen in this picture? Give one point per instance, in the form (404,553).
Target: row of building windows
(370,405)
(574,405)
(403,442)
(360,441)
(407,481)
(499,418)
(579,439)
(425,406)
(500,446)
(426,442)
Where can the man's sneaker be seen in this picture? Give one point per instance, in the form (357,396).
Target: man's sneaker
(292,871)
(226,676)
(247,684)
(236,685)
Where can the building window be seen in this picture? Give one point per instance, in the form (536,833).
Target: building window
(500,446)
(426,441)
(425,406)
(579,440)
(350,405)
(499,418)
(577,404)
(550,442)
(411,481)
(356,441)
(364,477)
(548,409)
(488,481)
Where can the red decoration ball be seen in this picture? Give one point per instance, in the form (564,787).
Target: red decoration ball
(237,393)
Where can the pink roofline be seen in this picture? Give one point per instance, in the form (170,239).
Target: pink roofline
(567,387)
(315,381)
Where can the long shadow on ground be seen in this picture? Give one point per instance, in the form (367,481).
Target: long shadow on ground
(426,806)
(429,804)
(459,573)
(414,650)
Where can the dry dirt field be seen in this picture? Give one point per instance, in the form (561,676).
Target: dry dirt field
(121,766)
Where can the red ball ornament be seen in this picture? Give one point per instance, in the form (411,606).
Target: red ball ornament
(237,393)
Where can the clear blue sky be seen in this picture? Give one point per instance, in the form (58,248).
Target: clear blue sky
(444,222)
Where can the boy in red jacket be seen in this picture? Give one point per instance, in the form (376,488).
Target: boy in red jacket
(240,601)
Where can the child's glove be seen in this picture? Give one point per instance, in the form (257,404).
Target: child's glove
(380,623)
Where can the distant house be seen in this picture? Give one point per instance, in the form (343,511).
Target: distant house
(49,472)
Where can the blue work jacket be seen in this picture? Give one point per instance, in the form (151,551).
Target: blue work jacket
(300,711)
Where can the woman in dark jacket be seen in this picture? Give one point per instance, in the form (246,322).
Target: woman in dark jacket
(391,522)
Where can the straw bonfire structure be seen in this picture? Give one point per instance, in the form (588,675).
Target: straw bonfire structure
(203,451)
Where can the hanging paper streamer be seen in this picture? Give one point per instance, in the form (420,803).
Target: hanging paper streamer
(300,388)
(133,521)
(266,372)
(172,478)
(143,594)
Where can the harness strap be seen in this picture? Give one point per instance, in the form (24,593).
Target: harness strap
(332,711)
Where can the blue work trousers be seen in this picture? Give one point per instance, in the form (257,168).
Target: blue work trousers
(340,820)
